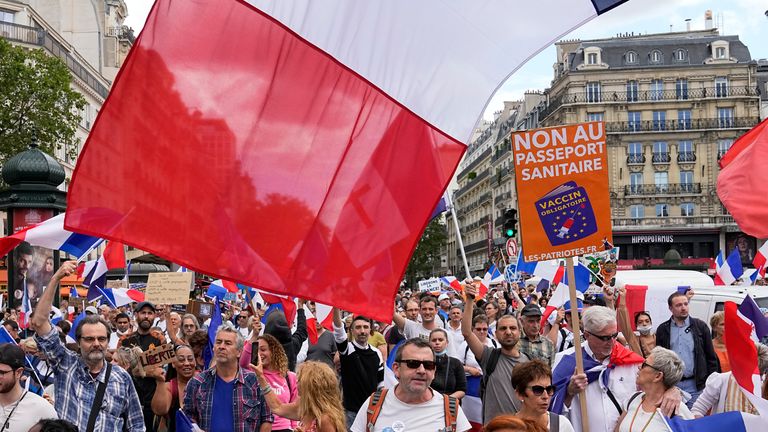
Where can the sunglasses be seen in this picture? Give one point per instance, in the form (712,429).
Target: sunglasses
(539,390)
(650,366)
(414,364)
(606,338)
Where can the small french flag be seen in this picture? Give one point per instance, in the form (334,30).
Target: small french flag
(452,282)
(730,269)
(761,259)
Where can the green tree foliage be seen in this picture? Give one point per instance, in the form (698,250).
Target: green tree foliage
(36,99)
(425,261)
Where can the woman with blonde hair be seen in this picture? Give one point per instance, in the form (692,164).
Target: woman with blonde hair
(717,323)
(318,406)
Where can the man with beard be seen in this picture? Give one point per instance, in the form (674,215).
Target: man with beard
(21,409)
(428,312)
(145,387)
(412,405)
(78,378)
(497,392)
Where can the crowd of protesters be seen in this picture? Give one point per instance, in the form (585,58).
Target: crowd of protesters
(448,361)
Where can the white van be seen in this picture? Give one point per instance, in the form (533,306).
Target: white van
(707,298)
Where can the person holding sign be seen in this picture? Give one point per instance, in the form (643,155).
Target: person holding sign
(610,378)
(169,396)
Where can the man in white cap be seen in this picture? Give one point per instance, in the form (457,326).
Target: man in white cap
(445,306)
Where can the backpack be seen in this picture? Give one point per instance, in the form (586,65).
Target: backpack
(450,407)
(493,360)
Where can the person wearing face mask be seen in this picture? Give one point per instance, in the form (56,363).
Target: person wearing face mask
(644,333)
(449,374)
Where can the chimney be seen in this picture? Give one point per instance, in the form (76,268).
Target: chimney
(708,19)
(687,24)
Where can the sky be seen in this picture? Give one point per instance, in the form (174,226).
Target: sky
(745,18)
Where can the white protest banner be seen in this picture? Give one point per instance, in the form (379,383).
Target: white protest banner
(432,284)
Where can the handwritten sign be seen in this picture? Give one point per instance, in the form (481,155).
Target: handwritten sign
(157,356)
(117,284)
(429,285)
(562,186)
(168,288)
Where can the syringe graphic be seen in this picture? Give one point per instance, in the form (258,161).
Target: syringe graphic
(566,227)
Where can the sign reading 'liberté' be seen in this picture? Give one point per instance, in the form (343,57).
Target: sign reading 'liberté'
(562,186)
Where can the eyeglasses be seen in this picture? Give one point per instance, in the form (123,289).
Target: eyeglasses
(92,339)
(606,338)
(414,364)
(539,390)
(481,329)
(650,366)
(5,372)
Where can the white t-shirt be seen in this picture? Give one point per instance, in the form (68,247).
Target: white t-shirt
(414,329)
(638,418)
(31,409)
(565,425)
(396,415)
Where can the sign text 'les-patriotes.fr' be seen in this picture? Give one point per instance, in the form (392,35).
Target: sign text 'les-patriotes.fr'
(562,187)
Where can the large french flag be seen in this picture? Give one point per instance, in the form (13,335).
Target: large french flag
(651,299)
(317,137)
(761,259)
(742,177)
(732,421)
(730,269)
(51,234)
(742,353)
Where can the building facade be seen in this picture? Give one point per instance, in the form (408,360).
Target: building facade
(672,104)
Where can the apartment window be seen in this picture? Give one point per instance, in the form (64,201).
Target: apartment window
(657,89)
(635,182)
(661,180)
(721,86)
(6,16)
(662,210)
(595,116)
(725,117)
(633,121)
(656,57)
(684,119)
(637,211)
(630,57)
(720,52)
(723,145)
(592,58)
(681,55)
(686,209)
(659,120)
(681,89)
(635,153)
(593,92)
(631,91)
(686,181)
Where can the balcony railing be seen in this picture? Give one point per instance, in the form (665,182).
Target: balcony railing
(661,157)
(635,159)
(675,125)
(39,37)
(662,189)
(718,220)
(686,157)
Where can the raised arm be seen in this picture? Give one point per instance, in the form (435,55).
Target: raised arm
(287,410)
(398,320)
(474,344)
(43,309)
(622,316)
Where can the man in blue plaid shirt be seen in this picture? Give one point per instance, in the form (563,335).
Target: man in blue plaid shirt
(226,397)
(78,376)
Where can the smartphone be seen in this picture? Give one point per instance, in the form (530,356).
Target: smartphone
(255,355)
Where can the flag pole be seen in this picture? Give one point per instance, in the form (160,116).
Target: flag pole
(576,325)
(94,246)
(449,201)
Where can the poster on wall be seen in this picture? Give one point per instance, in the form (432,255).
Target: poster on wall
(746,245)
(33,263)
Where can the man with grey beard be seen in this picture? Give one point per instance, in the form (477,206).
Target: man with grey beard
(78,378)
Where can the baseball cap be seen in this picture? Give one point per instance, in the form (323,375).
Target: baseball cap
(12,355)
(144,304)
(579,306)
(443,296)
(594,300)
(531,309)
(92,310)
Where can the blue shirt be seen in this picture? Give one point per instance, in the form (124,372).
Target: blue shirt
(222,414)
(681,342)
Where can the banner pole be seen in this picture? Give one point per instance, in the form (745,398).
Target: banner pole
(576,325)
(449,201)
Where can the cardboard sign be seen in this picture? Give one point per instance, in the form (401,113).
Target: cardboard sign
(562,187)
(157,356)
(429,285)
(168,288)
(117,284)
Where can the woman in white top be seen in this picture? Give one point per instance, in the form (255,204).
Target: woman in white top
(661,370)
(532,382)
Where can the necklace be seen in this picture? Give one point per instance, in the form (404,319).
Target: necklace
(6,425)
(632,424)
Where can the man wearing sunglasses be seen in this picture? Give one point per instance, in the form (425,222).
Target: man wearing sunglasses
(610,378)
(412,405)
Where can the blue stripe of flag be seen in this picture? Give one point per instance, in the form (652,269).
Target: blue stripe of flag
(78,244)
(603,6)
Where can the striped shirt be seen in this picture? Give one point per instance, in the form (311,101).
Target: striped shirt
(75,390)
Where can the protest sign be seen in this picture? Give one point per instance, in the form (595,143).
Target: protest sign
(157,356)
(562,186)
(117,284)
(429,285)
(168,288)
